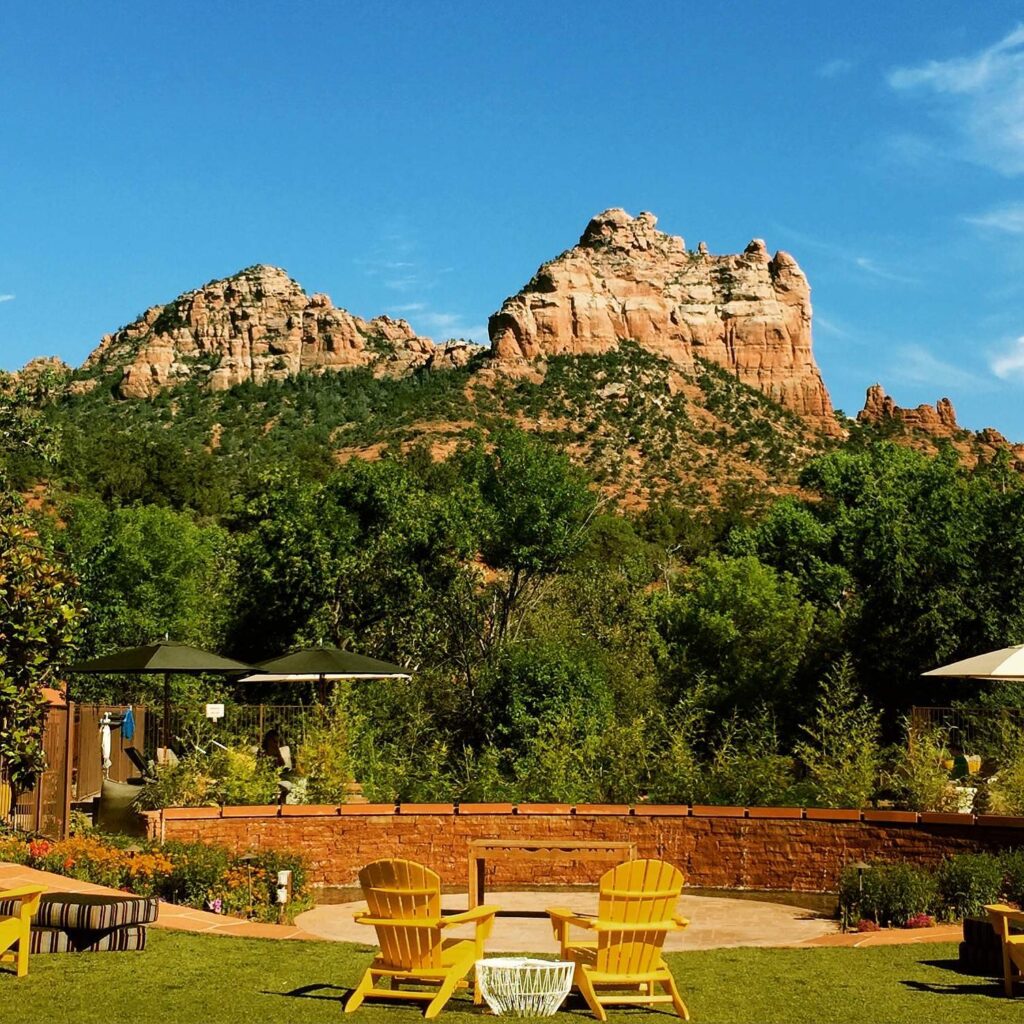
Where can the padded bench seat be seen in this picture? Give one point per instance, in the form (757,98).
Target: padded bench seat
(84,922)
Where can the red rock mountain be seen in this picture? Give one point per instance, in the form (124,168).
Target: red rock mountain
(939,420)
(258,325)
(750,313)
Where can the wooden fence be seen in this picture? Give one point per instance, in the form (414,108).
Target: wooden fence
(44,807)
(67,780)
(968,728)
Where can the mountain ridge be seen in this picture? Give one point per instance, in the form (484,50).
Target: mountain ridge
(665,341)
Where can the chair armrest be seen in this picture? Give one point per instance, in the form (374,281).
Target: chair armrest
(399,922)
(22,892)
(635,927)
(1001,916)
(477,914)
(565,916)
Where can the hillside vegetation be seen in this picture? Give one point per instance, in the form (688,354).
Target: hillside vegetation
(612,580)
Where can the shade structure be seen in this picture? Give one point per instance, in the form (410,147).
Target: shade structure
(164,657)
(1006,663)
(323,664)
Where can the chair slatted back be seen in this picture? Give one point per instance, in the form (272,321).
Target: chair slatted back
(637,892)
(404,890)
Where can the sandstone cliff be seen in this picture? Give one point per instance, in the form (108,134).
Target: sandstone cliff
(750,313)
(939,420)
(258,325)
(927,426)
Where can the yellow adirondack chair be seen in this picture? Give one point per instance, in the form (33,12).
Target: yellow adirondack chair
(16,929)
(404,905)
(635,911)
(1001,916)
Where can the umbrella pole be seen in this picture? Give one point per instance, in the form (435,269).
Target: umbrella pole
(167,711)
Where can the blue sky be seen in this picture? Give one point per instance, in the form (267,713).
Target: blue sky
(421,159)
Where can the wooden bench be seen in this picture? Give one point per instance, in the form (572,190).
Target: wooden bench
(482,850)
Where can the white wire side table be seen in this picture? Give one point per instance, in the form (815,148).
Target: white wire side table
(524,987)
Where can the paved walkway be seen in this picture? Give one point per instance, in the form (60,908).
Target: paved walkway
(715,922)
(171,916)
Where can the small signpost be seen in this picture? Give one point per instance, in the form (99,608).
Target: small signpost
(214,712)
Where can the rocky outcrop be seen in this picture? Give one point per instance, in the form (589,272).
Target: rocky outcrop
(938,420)
(259,325)
(749,312)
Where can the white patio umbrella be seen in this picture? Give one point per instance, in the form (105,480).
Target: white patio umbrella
(1006,663)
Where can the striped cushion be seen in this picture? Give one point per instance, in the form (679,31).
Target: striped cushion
(85,911)
(116,940)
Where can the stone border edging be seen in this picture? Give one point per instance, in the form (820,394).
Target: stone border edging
(842,814)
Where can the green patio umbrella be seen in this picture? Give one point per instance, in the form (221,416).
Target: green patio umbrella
(166,658)
(322,665)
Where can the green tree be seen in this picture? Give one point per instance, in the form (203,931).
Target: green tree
(146,571)
(536,508)
(39,615)
(743,628)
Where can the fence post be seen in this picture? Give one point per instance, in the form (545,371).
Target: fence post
(65,829)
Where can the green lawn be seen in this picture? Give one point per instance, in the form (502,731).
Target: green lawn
(183,978)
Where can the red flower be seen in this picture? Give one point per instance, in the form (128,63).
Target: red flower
(38,848)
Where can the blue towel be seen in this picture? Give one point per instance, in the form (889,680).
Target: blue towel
(128,724)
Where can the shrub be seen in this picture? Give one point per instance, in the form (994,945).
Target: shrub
(224,776)
(242,777)
(921,921)
(966,882)
(919,776)
(1013,876)
(890,894)
(747,767)
(841,749)
(1006,787)
(324,756)
(197,870)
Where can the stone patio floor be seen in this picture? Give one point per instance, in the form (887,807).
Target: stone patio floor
(715,922)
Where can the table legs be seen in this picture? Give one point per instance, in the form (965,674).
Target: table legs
(477,865)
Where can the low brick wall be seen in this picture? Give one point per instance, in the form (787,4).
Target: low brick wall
(729,847)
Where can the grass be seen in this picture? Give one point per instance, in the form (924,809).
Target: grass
(184,978)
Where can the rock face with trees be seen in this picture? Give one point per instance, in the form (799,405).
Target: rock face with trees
(258,325)
(749,312)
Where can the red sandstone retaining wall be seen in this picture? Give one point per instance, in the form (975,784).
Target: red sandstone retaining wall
(731,847)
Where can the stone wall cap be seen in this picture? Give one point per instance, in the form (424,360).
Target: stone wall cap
(832,814)
(486,808)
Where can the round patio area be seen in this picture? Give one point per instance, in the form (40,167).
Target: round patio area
(715,922)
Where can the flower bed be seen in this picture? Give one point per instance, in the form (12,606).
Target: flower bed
(909,896)
(190,874)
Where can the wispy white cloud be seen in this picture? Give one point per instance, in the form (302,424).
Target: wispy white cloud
(8,297)
(833,327)
(869,266)
(409,307)
(1008,363)
(835,68)
(453,325)
(981,97)
(864,264)
(1008,218)
(918,365)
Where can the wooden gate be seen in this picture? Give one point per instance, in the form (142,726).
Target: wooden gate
(44,808)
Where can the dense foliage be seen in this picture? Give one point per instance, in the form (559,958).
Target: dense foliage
(39,622)
(961,885)
(741,647)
